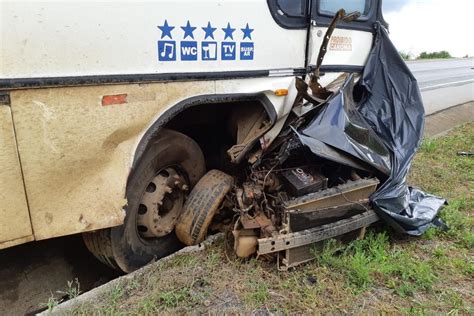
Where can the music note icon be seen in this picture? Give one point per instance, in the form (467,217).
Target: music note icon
(166,50)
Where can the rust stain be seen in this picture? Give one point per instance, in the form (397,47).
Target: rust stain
(121,135)
(48,218)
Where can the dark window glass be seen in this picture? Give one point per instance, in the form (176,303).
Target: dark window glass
(293,8)
(332,6)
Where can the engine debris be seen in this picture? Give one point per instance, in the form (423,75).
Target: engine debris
(333,168)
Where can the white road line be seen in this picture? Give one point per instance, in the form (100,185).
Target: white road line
(447,84)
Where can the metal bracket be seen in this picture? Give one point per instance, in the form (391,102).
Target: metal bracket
(310,236)
(314,85)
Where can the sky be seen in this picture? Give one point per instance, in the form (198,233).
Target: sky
(431,25)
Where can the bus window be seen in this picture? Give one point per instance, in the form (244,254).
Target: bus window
(330,7)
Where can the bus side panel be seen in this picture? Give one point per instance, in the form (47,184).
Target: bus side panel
(15,225)
(77,153)
(346,47)
(78,38)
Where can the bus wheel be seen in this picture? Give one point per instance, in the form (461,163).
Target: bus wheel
(156,192)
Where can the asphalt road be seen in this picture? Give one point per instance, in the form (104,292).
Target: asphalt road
(444,83)
(32,273)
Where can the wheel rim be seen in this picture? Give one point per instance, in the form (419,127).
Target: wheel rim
(161,204)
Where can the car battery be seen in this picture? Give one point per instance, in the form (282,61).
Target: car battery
(300,181)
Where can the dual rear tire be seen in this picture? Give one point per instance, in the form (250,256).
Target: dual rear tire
(174,162)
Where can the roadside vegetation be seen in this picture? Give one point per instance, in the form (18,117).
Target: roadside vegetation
(385,272)
(427,55)
(434,55)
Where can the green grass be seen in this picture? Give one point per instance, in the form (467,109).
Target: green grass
(371,261)
(257,293)
(53,301)
(73,289)
(174,297)
(384,273)
(429,145)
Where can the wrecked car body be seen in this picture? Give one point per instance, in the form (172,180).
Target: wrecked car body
(338,165)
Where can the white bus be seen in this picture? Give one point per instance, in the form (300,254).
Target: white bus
(109,109)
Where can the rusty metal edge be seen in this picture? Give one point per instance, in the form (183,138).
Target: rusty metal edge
(309,236)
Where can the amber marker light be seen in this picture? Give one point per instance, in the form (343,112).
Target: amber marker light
(281,92)
(114,99)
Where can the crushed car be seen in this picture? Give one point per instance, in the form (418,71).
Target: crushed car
(336,164)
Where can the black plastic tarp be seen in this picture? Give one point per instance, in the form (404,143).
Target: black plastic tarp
(383,129)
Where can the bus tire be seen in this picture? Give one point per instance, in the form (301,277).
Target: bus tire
(156,189)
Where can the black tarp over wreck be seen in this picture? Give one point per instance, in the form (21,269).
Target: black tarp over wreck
(383,130)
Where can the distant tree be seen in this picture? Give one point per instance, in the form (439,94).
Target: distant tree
(405,56)
(432,55)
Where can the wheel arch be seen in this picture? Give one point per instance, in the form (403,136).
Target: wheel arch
(195,101)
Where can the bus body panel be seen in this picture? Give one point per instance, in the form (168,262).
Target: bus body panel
(15,226)
(84,38)
(77,153)
(67,153)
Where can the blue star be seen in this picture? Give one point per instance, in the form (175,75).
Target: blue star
(228,32)
(188,30)
(247,32)
(209,30)
(166,30)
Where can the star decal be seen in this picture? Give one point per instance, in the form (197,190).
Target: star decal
(188,30)
(166,30)
(209,30)
(247,30)
(228,32)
